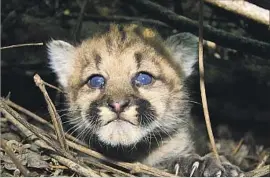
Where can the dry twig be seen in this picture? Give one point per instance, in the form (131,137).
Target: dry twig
(54,115)
(202,84)
(37,131)
(263,160)
(81,169)
(75,167)
(38,118)
(265,170)
(27,112)
(9,152)
(28,134)
(22,45)
(54,87)
(100,165)
(6,109)
(238,146)
(58,167)
(244,9)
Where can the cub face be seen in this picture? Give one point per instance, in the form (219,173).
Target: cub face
(125,85)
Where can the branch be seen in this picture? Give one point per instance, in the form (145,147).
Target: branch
(28,134)
(100,165)
(52,86)
(244,9)
(263,160)
(202,85)
(22,45)
(75,167)
(263,171)
(5,109)
(33,133)
(262,3)
(15,160)
(54,115)
(38,119)
(221,37)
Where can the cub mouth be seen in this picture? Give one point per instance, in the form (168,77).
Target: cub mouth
(119,119)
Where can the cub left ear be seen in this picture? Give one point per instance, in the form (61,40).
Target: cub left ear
(61,58)
(184,50)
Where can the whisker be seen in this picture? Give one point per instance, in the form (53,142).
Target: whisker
(90,125)
(83,130)
(71,120)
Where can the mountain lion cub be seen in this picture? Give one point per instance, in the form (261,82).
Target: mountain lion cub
(126,96)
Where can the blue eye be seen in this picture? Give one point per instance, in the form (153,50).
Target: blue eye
(96,81)
(143,79)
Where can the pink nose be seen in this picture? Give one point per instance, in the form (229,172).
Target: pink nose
(118,106)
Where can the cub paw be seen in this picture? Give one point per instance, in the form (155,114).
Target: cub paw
(208,166)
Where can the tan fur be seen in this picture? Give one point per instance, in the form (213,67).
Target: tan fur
(171,148)
(113,55)
(118,66)
(127,117)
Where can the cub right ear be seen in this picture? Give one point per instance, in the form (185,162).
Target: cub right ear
(184,49)
(61,58)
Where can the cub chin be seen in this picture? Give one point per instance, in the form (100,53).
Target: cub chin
(126,97)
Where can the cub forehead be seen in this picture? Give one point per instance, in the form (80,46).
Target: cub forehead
(108,48)
(123,49)
(128,54)
(124,41)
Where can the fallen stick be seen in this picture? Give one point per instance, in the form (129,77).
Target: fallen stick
(22,45)
(100,165)
(75,167)
(38,132)
(263,160)
(25,172)
(245,9)
(28,134)
(38,118)
(56,120)
(263,171)
(41,143)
